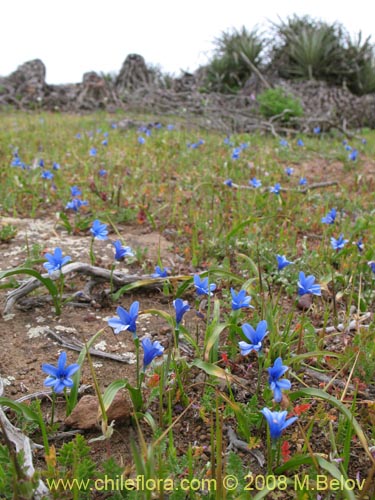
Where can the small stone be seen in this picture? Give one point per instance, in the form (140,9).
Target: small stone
(86,415)
(305,302)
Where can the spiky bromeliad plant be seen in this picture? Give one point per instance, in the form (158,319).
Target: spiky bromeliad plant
(236,54)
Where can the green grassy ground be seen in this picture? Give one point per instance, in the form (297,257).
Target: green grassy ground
(184,183)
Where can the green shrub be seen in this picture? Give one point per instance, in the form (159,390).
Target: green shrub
(273,102)
(235,55)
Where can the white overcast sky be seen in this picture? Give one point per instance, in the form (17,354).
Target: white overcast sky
(75,36)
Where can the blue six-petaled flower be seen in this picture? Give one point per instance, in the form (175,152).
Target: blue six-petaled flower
(255,183)
(277,421)
(353,155)
(255,337)
(240,300)
(275,189)
(59,376)
(289,171)
(125,320)
(76,204)
(275,373)
(99,231)
(75,191)
(122,252)
(181,307)
(201,286)
(55,261)
(160,273)
(306,284)
(151,350)
(339,243)
(46,174)
(282,262)
(330,217)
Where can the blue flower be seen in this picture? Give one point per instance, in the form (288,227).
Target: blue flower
(276,385)
(282,262)
(275,189)
(122,252)
(372,265)
(306,284)
(78,136)
(55,166)
(93,152)
(330,217)
(59,376)
(202,287)
(236,153)
(102,172)
(339,243)
(181,308)
(283,143)
(302,181)
(41,163)
(16,162)
(104,142)
(151,351)
(76,204)
(47,175)
(360,245)
(141,140)
(277,421)
(126,320)
(160,273)
(55,261)
(353,155)
(316,130)
(228,182)
(348,148)
(300,142)
(99,231)
(289,171)
(255,336)
(170,127)
(240,300)
(228,142)
(75,191)
(255,183)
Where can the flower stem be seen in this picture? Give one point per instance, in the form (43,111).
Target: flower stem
(92,256)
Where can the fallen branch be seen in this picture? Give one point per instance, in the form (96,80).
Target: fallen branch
(236,444)
(78,346)
(117,278)
(15,437)
(317,185)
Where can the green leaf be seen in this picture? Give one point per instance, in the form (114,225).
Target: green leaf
(215,371)
(112,390)
(212,336)
(47,282)
(73,394)
(25,410)
(318,393)
(312,460)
